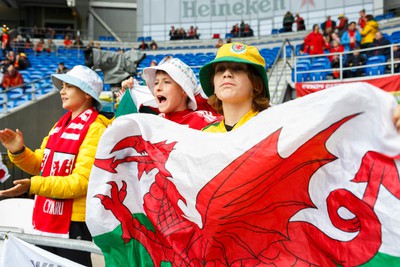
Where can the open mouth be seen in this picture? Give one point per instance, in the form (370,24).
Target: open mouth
(161,99)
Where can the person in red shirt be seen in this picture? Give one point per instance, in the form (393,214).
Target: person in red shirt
(314,42)
(300,23)
(343,24)
(12,78)
(328,26)
(67,41)
(174,85)
(363,19)
(5,40)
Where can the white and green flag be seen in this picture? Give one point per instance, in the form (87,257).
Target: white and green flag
(312,182)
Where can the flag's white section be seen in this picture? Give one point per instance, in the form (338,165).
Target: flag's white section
(17,212)
(4,175)
(19,253)
(142,96)
(198,156)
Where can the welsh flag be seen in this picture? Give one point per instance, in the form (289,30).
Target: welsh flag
(312,182)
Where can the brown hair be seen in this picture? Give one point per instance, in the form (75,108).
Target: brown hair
(260,100)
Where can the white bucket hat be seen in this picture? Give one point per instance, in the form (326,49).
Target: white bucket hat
(181,73)
(85,79)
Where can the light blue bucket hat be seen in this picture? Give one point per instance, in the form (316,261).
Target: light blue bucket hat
(85,79)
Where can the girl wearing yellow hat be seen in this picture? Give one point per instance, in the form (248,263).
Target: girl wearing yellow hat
(236,84)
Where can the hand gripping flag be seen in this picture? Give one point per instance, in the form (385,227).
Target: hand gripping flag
(312,182)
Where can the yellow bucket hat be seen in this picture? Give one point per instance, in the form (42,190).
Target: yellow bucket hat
(234,52)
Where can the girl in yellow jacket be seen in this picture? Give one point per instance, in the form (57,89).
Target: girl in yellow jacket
(62,165)
(368,33)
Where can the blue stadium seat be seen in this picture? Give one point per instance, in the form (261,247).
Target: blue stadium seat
(140,38)
(301,77)
(102,38)
(274,31)
(389,15)
(147,39)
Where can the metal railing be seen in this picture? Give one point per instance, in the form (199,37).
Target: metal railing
(58,242)
(282,73)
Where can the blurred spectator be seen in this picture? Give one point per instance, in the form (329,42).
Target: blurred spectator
(336,47)
(363,19)
(328,25)
(67,41)
(228,40)
(379,41)
(353,60)
(78,43)
(314,42)
(248,31)
(335,65)
(19,44)
(61,68)
(288,20)
(235,30)
(300,23)
(28,43)
(12,78)
(88,53)
(173,33)
(219,43)
(327,42)
(191,34)
(22,62)
(51,46)
(196,32)
(369,31)
(3,67)
(97,45)
(153,45)
(351,38)
(143,46)
(181,34)
(40,46)
(241,28)
(11,56)
(5,40)
(343,24)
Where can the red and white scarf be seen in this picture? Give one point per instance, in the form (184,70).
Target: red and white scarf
(53,216)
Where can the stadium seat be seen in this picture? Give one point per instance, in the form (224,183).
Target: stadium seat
(102,38)
(140,38)
(228,35)
(379,17)
(216,36)
(389,15)
(301,77)
(274,31)
(147,39)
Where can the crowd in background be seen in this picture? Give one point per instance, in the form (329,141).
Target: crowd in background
(341,36)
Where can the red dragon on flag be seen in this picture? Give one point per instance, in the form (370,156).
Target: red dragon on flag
(247,209)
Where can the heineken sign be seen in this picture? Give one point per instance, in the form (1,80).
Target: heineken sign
(213,8)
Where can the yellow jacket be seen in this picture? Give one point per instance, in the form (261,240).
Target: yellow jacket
(72,186)
(219,127)
(368,33)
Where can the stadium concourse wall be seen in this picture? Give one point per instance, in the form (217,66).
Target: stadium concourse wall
(34,118)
